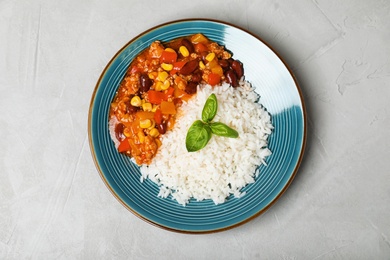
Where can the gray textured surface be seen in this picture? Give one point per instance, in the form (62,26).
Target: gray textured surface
(53,204)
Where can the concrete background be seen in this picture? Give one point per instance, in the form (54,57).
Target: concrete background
(53,204)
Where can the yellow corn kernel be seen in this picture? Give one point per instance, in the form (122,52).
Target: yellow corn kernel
(141,137)
(166,85)
(154,132)
(127,132)
(158,86)
(152,75)
(170,50)
(184,51)
(146,123)
(162,76)
(154,108)
(167,66)
(201,65)
(210,56)
(136,101)
(147,106)
(153,124)
(158,142)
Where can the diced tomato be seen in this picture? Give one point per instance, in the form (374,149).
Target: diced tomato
(181,94)
(177,67)
(142,115)
(215,67)
(168,108)
(155,97)
(124,146)
(158,116)
(169,92)
(214,79)
(168,57)
(217,70)
(200,47)
(196,38)
(134,127)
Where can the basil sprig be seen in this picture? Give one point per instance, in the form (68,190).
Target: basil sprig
(200,132)
(198,136)
(221,129)
(210,108)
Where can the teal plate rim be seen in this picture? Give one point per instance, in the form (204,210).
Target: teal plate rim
(197,217)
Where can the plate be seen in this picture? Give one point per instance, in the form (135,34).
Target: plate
(280,94)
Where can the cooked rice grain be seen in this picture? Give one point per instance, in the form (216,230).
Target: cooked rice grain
(225,165)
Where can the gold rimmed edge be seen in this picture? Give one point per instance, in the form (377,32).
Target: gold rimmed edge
(91,145)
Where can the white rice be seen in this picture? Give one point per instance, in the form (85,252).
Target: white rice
(225,165)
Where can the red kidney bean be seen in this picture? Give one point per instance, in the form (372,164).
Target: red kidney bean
(191,87)
(238,68)
(130,109)
(119,131)
(145,83)
(223,63)
(162,128)
(189,67)
(197,76)
(188,45)
(231,78)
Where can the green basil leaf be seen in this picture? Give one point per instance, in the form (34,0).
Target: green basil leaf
(221,129)
(198,136)
(210,108)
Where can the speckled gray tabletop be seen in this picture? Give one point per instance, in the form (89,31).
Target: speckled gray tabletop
(53,203)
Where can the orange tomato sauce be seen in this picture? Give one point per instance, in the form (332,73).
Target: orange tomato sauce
(157,82)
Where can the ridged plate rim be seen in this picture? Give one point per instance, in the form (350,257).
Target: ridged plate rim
(133,208)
